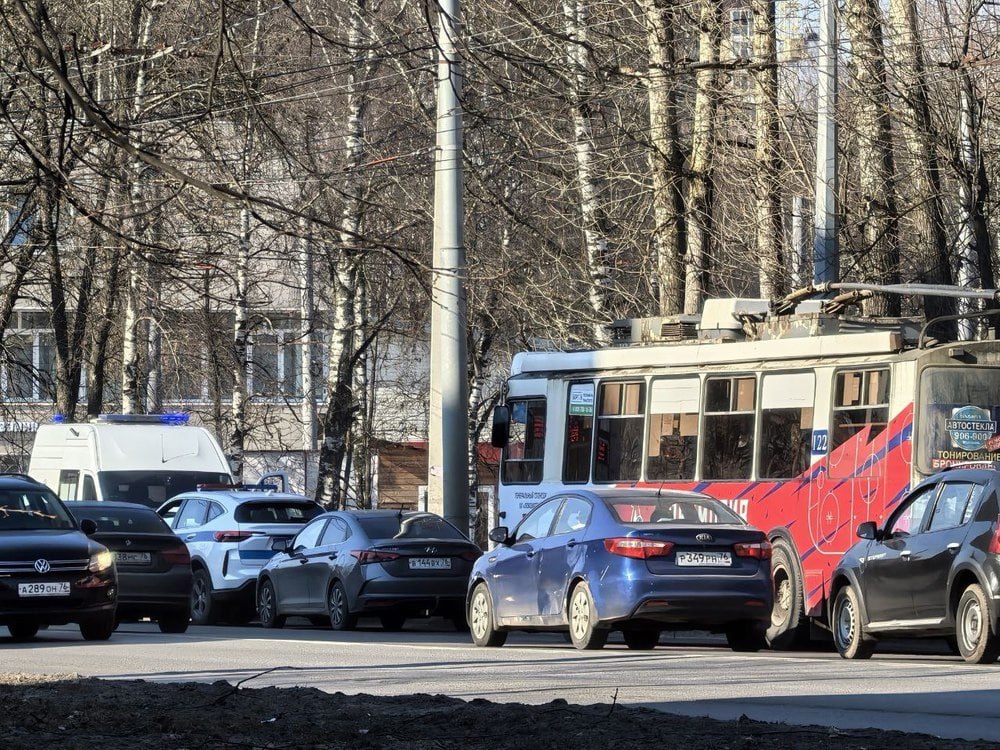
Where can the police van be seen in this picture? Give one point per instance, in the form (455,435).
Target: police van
(138,458)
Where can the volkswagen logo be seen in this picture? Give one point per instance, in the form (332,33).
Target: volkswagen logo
(705,538)
(42,566)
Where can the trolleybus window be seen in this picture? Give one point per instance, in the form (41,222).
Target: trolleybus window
(727,442)
(579,429)
(957,416)
(525,452)
(786,414)
(618,453)
(672,444)
(862,399)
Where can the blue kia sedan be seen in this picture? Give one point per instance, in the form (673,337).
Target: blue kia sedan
(638,561)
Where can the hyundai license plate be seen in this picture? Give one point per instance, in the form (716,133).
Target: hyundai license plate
(132,558)
(704,559)
(48,588)
(430,563)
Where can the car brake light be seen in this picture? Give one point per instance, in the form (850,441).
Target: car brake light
(760,550)
(640,549)
(994,548)
(366,556)
(471,555)
(177,555)
(232,536)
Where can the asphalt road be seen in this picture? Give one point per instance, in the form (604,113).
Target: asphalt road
(932,693)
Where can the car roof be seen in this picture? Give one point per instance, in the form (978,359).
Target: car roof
(980,474)
(242,496)
(639,493)
(378,513)
(14,479)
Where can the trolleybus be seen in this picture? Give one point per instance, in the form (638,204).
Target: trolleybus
(806,424)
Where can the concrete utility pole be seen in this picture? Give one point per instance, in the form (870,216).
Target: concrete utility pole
(448,431)
(826,254)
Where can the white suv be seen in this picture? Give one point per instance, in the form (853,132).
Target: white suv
(231,533)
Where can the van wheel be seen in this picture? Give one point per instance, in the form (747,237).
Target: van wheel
(204,610)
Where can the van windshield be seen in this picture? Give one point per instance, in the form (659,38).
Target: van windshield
(957,416)
(153,488)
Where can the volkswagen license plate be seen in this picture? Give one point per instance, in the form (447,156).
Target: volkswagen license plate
(704,559)
(430,563)
(48,588)
(132,558)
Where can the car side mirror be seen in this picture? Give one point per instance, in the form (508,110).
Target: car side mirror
(868,530)
(281,545)
(88,526)
(500,535)
(500,434)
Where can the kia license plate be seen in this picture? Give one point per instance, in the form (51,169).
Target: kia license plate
(430,563)
(704,559)
(48,588)
(132,558)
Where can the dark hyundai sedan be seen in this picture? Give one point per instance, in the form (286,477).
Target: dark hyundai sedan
(931,570)
(638,561)
(154,565)
(386,563)
(51,573)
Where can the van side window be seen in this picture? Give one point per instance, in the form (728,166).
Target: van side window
(69,481)
(89,492)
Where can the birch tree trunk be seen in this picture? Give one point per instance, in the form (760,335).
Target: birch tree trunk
(929,241)
(879,259)
(589,182)
(242,352)
(700,180)
(769,226)
(341,403)
(665,155)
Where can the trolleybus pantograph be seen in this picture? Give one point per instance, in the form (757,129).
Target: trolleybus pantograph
(806,423)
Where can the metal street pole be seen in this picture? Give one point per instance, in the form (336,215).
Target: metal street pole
(826,254)
(448,432)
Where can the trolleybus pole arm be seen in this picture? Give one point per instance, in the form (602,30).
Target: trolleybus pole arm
(787,304)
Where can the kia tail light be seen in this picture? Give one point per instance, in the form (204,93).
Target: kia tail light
(641,549)
(758,550)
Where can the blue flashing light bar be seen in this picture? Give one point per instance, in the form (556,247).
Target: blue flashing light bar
(173,418)
(58,418)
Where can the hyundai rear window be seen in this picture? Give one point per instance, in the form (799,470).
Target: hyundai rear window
(409,527)
(277,512)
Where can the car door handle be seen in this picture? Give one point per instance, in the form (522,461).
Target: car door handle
(333,556)
(189,537)
(905,554)
(493,559)
(571,543)
(529,554)
(954,547)
(303,561)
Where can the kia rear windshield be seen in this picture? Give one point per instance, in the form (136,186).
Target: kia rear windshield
(420,526)
(277,511)
(957,416)
(138,521)
(671,510)
(28,510)
(153,488)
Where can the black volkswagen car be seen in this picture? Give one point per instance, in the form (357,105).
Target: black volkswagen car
(51,572)
(931,570)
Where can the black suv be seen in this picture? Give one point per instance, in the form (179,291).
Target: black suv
(931,570)
(51,573)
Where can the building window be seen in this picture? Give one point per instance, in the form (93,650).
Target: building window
(28,363)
